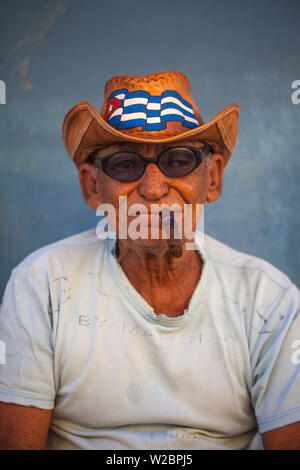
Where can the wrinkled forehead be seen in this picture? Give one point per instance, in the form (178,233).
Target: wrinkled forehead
(145,149)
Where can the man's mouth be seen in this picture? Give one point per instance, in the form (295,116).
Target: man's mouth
(157,219)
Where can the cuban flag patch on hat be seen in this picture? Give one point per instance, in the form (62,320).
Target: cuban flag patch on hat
(125,110)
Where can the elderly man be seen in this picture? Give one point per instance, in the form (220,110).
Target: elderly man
(144,342)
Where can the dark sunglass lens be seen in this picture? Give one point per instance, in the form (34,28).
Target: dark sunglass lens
(177,162)
(125,166)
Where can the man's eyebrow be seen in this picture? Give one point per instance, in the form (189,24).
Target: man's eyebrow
(110,148)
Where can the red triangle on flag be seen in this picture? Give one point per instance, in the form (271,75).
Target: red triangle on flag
(111,105)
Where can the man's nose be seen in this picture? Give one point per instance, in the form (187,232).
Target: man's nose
(153,185)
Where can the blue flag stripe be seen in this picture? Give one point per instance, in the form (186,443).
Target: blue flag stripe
(192,125)
(154,127)
(154,99)
(137,94)
(172,117)
(135,108)
(118,92)
(115,120)
(132,123)
(153,113)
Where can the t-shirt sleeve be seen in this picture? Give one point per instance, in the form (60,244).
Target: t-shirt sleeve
(26,365)
(275,355)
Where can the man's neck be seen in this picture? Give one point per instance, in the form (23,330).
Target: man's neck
(165,282)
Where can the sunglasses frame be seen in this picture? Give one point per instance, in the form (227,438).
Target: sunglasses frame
(199,153)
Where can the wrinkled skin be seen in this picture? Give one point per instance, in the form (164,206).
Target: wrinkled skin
(162,280)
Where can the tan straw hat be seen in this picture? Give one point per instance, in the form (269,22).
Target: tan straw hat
(156,108)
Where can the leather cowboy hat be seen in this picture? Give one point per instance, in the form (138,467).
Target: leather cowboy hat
(156,108)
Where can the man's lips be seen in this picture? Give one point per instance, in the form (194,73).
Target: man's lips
(155,219)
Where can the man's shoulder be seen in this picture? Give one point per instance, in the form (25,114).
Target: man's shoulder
(74,245)
(225,257)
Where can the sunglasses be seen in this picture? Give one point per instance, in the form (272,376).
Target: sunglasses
(173,162)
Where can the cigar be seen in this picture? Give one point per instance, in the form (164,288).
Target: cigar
(175,244)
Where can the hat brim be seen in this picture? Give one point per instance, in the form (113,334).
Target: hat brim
(84,129)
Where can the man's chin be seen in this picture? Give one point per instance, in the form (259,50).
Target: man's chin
(160,244)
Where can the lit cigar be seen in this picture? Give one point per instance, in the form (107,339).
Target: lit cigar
(175,244)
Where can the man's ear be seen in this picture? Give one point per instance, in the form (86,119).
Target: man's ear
(88,178)
(216,168)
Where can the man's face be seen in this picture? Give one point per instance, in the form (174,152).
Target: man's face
(153,188)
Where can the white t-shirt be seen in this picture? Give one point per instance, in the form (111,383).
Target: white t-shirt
(82,341)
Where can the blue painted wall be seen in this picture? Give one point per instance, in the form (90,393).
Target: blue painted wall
(54,53)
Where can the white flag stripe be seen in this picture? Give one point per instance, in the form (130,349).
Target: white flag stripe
(116,113)
(121,96)
(171,111)
(153,120)
(188,118)
(154,106)
(171,99)
(132,101)
(131,116)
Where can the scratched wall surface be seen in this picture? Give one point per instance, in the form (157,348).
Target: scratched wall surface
(54,53)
